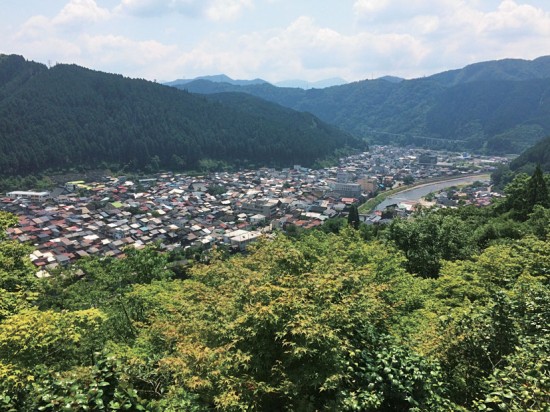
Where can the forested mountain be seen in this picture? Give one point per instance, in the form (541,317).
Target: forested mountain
(506,69)
(538,154)
(526,162)
(444,312)
(68,116)
(496,107)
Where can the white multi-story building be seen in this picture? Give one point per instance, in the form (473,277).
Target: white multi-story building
(32,196)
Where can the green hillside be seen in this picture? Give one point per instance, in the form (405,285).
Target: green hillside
(505,69)
(69,116)
(502,116)
(538,154)
(496,107)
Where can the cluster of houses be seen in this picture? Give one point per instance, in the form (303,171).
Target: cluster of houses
(477,195)
(177,211)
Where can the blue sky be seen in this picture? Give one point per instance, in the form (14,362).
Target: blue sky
(274,39)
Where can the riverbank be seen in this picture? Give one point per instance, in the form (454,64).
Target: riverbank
(370,205)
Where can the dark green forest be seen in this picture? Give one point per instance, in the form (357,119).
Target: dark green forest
(538,154)
(446,311)
(527,162)
(492,107)
(67,117)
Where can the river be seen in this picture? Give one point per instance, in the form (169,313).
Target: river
(417,192)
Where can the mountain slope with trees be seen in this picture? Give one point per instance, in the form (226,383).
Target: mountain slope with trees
(505,69)
(497,107)
(68,116)
(538,154)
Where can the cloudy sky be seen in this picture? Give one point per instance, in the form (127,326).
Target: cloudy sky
(274,39)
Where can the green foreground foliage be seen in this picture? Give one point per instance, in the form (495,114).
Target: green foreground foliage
(447,311)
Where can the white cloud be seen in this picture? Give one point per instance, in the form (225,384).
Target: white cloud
(226,9)
(35,28)
(211,9)
(368,7)
(301,50)
(455,33)
(51,50)
(38,39)
(79,12)
(407,38)
(141,59)
(152,8)
(119,50)
(76,15)
(386,11)
(516,18)
(67,38)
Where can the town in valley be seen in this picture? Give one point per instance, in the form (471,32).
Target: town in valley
(104,218)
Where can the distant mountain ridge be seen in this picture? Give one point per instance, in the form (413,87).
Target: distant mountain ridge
(72,117)
(218,78)
(222,78)
(506,69)
(497,106)
(391,79)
